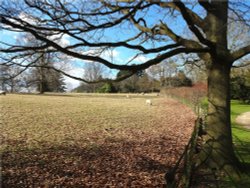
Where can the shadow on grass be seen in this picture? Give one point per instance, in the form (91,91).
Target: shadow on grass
(118,164)
(241,128)
(243,152)
(242,149)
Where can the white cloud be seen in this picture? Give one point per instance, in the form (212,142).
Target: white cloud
(72,83)
(65,40)
(112,55)
(142,59)
(61,39)
(139,59)
(27,18)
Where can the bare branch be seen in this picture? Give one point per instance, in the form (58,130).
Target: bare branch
(15,49)
(205,4)
(101,60)
(124,44)
(240,53)
(193,16)
(241,65)
(191,24)
(25,67)
(33,64)
(163,29)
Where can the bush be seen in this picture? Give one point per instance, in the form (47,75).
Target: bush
(106,88)
(239,89)
(194,96)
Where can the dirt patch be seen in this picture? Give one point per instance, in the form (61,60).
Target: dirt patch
(244,119)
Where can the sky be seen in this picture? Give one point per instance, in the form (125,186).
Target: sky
(76,67)
(119,55)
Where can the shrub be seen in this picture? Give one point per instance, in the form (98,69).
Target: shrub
(192,95)
(240,89)
(106,88)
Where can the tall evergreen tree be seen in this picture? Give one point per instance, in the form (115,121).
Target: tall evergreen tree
(45,77)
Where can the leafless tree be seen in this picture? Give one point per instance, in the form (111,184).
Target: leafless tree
(92,72)
(144,27)
(8,79)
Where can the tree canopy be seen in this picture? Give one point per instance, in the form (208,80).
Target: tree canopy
(90,27)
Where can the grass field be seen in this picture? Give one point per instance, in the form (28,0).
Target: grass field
(241,138)
(90,140)
(240,133)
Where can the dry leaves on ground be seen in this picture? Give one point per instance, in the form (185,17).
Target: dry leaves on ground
(117,156)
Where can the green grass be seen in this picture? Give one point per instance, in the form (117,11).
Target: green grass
(238,108)
(240,133)
(241,136)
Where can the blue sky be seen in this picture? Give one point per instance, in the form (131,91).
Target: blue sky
(120,55)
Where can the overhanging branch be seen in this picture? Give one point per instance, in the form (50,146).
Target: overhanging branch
(193,16)
(101,60)
(240,53)
(191,24)
(205,4)
(15,49)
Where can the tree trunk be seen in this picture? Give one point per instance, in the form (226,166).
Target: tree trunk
(42,82)
(219,146)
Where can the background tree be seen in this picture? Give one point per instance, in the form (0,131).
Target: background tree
(29,83)
(4,77)
(196,70)
(240,84)
(165,69)
(178,80)
(107,88)
(151,30)
(10,78)
(47,79)
(93,72)
(139,82)
(44,79)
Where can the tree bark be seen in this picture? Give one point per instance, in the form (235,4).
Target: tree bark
(218,148)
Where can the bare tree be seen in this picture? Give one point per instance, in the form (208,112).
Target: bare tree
(150,31)
(196,69)
(155,71)
(92,72)
(165,69)
(8,79)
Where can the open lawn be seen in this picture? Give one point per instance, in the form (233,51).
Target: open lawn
(241,140)
(240,133)
(90,140)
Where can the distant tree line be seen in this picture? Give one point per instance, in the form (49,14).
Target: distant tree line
(38,78)
(152,80)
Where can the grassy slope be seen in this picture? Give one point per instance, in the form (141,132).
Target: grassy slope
(241,139)
(241,134)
